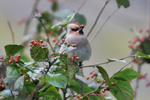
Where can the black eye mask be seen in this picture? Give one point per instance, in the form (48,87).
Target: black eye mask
(75,29)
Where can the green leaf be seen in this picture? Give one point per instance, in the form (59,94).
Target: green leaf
(145,46)
(12,49)
(80,87)
(125,75)
(70,17)
(50,94)
(139,55)
(104,75)
(54,6)
(57,80)
(12,71)
(122,91)
(19,83)
(10,83)
(93,97)
(80,18)
(124,3)
(38,53)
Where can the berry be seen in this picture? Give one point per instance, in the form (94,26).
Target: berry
(25,76)
(63,40)
(140,31)
(87,77)
(10,61)
(77,58)
(54,40)
(142,76)
(32,41)
(16,61)
(27,80)
(21,74)
(131,46)
(142,40)
(78,96)
(74,45)
(41,41)
(1,57)
(2,86)
(112,83)
(35,43)
(92,76)
(18,56)
(31,81)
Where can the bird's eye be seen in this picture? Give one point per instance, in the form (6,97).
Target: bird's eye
(74,29)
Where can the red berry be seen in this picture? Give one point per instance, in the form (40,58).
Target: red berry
(87,77)
(112,83)
(140,31)
(91,72)
(10,61)
(77,58)
(32,41)
(131,46)
(92,76)
(18,56)
(16,61)
(82,26)
(142,76)
(41,41)
(1,57)
(74,56)
(35,43)
(31,81)
(78,96)
(142,40)
(3,86)
(54,40)
(25,76)
(21,74)
(27,80)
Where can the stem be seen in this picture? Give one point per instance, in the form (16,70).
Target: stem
(137,82)
(148,17)
(94,36)
(26,29)
(97,18)
(46,33)
(12,33)
(107,62)
(64,94)
(12,94)
(82,4)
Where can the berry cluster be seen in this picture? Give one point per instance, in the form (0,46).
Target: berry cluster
(27,78)
(92,75)
(15,59)
(37,42)
(141,43)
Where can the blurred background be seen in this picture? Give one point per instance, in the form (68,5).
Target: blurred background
(111,42)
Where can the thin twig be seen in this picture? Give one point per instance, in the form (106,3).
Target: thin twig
(12,33)
(97,18)
(82,4)
(148,17)
(137,82)
(94,36)
(107,62)
(46,33)
(26,29)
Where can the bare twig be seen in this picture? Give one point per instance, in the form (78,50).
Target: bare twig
(97,17)
(46,33)
(12,33)
(26,29)
(94,36)
(148,17)
(82,4)
(107,62)
(137,82)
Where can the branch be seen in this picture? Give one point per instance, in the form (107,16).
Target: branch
(30,17)
(46,33)
(82,4)
(94,36)
(97,18)
(12,33)
(107,62)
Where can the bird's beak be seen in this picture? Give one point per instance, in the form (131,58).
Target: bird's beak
(80,30)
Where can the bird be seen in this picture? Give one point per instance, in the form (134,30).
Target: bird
(75,35)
